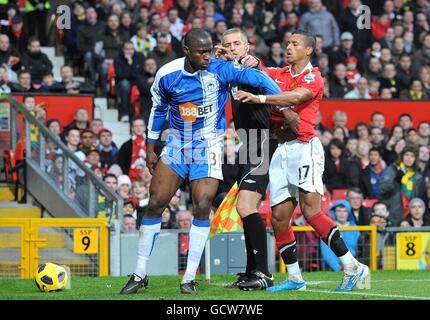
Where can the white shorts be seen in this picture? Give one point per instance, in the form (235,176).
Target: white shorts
(296,164)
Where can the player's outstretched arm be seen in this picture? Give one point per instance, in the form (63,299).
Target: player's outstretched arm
(283,99)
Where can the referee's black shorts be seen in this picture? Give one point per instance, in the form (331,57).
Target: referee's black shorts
(255,177)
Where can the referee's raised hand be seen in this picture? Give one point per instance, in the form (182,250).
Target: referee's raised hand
(222,52)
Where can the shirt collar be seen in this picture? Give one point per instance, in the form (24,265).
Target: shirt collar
(308,67)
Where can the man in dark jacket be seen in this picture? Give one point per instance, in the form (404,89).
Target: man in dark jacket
(107,48)
(128,72)
(17,36)
(161,53)
(8,54)
(339,85)
(149,71)
(24,83)
(339,172)
(68,85)
(346,50)
(35,61)
(86,38)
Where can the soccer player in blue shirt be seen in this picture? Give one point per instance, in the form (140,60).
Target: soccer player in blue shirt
(193,92)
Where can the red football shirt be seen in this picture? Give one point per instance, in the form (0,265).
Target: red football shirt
(310,79)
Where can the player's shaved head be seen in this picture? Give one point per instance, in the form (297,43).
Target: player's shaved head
(310,39)
(197,47)
(195,37)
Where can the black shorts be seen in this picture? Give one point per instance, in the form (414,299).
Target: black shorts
(255,176)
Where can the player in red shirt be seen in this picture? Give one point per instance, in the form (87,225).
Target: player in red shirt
(297,165)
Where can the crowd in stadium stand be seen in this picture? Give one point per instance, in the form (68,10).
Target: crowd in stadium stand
(132,39)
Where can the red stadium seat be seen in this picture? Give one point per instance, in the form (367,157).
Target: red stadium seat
(111,79)
(135,100)
(368,203)
(339,194)
(325,206)
(297,212)
(9,163)
(266,211)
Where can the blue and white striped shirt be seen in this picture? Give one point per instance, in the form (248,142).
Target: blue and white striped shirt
(195,102)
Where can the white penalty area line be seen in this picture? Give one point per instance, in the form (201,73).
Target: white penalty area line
(315,283)
(359,293)
(364,293)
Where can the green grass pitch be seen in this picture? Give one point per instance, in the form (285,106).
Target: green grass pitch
(385,285)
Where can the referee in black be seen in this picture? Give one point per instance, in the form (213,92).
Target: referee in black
(252,123)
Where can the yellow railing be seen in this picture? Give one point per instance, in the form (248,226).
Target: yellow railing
(29,240)
(371,229)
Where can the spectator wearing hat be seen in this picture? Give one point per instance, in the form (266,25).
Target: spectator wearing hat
(17,36)
(345,50)
(107,148)
(92,160)
(130,206)
(352,73)
(417,216)
(349,21)
(124,186)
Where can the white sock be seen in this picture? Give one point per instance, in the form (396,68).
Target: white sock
(294,272)
(348,262)
(149,231)
(197,239)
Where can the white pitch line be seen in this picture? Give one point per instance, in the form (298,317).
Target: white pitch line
(388,280)
(369,294)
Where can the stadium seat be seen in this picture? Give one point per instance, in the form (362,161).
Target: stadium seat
(368,203)
(111,79)
(325,206)
(135,100)
(266,211)
(297,212)
(339,194)
(9,163)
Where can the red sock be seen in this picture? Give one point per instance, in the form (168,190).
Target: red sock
(322,224)
(285,237)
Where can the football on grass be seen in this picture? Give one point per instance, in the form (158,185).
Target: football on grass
(51,277)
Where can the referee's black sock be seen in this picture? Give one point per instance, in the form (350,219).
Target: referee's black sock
(250,260)
(256,233)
